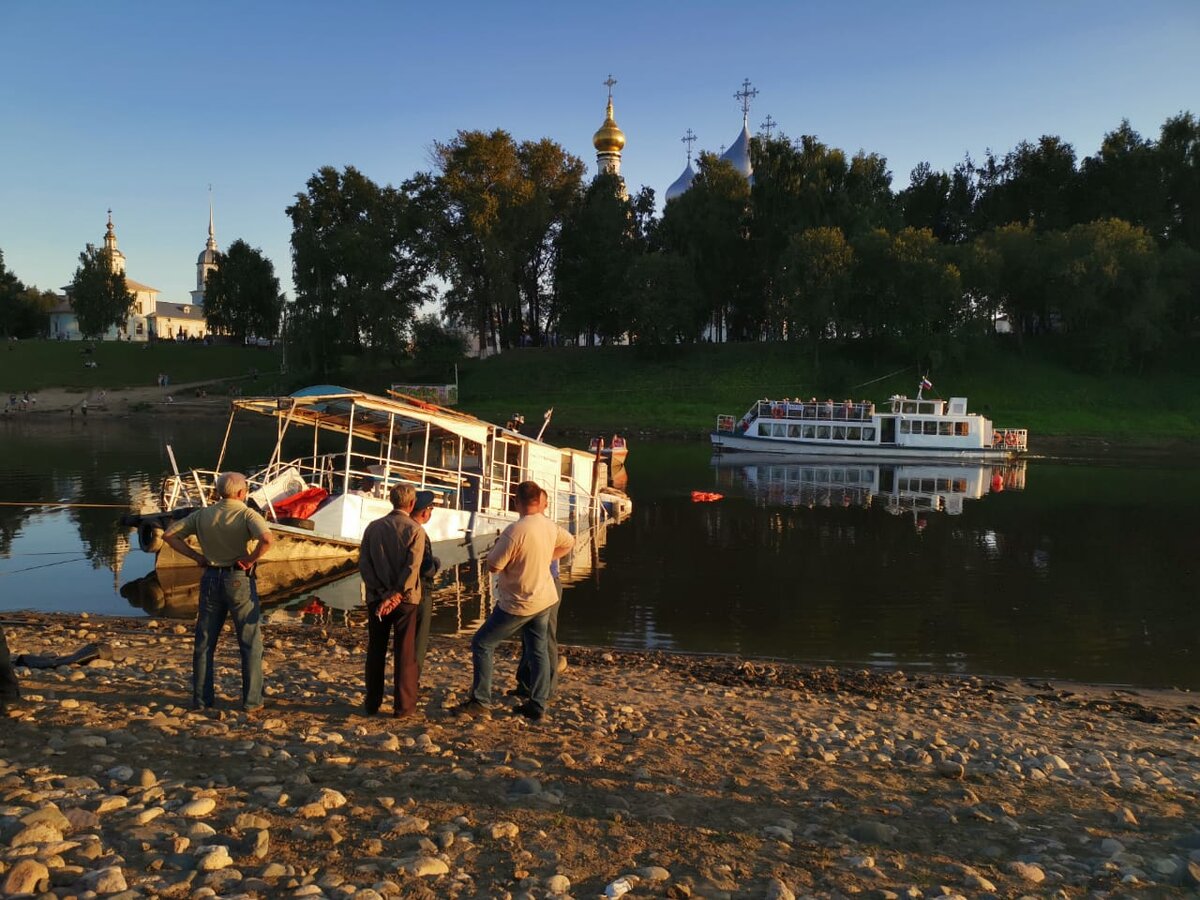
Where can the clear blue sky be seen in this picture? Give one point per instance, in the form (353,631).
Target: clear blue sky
(139,106)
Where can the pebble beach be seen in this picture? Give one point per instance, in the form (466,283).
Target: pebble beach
(656,775)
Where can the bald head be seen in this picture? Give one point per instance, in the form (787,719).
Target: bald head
(230,484)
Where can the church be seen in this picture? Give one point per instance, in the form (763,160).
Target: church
(738,154)
(150,319)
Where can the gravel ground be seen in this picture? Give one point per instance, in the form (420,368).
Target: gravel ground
(654,776)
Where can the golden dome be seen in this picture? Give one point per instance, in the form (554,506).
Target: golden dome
(610,138)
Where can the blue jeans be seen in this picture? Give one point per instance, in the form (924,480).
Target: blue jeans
(500,626)
(225,592)
(525,668)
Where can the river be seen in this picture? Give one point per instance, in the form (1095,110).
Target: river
(1059,568)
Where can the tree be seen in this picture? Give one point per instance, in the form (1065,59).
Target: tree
(600,240)
(1034,183)
(356,267)
(98,293)
(663,292)
(707,226)
(491,216)
(815,278)
(24,311)
(434,346)
(241,295)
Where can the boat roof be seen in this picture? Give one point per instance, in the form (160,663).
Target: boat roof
(329,407)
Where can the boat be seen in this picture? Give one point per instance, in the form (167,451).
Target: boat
(903,429)
(932,486)
(614,451)
(337,453)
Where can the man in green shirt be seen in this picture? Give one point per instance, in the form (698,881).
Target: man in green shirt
(224,532)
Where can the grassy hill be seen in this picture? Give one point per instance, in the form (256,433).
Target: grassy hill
(34,365)
(682,390)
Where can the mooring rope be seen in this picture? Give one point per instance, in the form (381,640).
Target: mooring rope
(67,505)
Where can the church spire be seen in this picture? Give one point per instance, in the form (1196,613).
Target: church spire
(116,259)
(609,141)
(212,232)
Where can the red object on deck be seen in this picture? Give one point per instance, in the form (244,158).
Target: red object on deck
(301,505)
(706,497)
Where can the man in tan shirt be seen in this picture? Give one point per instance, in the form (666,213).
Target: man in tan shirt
(525,592)
(224,532)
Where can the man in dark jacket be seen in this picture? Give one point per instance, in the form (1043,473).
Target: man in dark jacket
(389,561)
(10,693)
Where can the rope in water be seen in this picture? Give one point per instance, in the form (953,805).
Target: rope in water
(60,562)
(67,505)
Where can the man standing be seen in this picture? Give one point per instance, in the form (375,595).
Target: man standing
(389,561)
(430,566)
(10,692)
(524,595)
(224,531)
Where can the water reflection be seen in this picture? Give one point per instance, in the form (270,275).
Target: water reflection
(916,487)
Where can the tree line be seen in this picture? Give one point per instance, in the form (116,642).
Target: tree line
(513,246)
(520,249)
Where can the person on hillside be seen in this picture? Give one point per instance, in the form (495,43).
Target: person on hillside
(10,691)
(225,531)
(430,566)
(389,560)
(524,594)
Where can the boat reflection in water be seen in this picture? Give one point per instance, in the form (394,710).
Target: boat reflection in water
(909,487)
(310,593)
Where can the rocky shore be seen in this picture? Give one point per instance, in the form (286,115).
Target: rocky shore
(655,776)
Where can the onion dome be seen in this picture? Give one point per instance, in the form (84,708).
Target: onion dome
(739,154)
(610,138)
(680,185)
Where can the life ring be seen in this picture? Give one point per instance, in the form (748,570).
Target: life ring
(776,412)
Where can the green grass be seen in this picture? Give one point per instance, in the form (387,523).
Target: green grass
(34,365)
(682,390)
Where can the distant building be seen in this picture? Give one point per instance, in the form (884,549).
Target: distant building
(151,318)
(738,154)
(64,324)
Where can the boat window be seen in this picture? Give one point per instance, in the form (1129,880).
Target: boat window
(764,429)
(931,427)
(928,409)
(869,434)
(809,431)
(904,424)
(909,406)
(780,430)
(794,431)
(959,486)
(962,429)
(943,484)
(839,433)
(823,432)
(944,428)
(854,433)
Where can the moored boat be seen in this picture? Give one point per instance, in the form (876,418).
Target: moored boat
(339,451)
(614,451)
(904,428)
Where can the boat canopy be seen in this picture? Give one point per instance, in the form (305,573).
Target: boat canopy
(338,409)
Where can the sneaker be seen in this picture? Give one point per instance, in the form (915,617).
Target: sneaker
(531,711)
(472,709)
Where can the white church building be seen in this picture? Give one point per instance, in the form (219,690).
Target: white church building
(150,318)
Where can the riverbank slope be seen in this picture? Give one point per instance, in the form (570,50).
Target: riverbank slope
(686,777)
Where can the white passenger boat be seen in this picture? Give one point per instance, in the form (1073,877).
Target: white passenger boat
(933,486)
(337,453)
(905,428)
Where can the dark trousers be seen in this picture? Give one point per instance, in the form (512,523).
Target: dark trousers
(9,692)
(424,622)
(224,593)
(400,626)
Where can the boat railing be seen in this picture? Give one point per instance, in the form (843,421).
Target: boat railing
(821,410)
(194,488)
(1010,438)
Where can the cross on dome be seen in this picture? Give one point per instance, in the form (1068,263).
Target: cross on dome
(768,125)
(688,139)
(744,96)
(609,82)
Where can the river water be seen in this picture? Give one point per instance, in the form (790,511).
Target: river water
(1058,568)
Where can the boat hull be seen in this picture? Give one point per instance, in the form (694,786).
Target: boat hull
(725,443)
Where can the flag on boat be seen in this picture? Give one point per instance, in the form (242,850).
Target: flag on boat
(926,384)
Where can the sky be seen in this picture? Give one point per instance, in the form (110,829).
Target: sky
(140,106)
